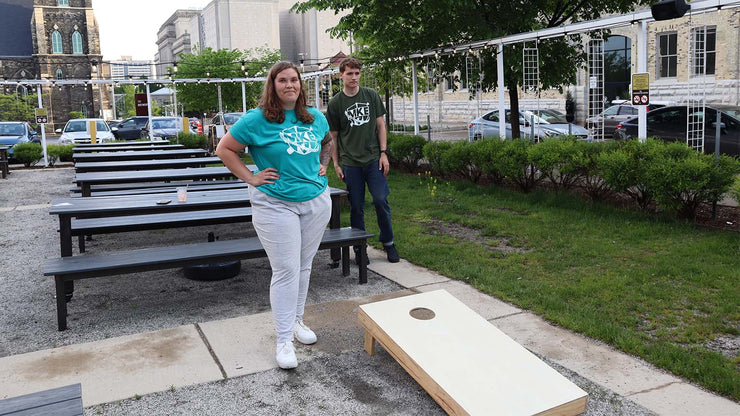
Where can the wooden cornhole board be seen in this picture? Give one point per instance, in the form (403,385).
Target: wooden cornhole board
(466,364)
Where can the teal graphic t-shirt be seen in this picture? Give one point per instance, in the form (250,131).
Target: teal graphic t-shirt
(291,147)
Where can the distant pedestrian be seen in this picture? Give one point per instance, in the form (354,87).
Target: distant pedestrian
(360,151)
(289,194)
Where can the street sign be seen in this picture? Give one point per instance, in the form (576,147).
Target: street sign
(41,115)
(641,89)
(41,120)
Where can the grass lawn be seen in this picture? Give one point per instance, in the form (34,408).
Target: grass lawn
(657,288)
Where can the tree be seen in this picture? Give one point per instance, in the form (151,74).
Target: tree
(14,107)
(395,28)
(222,63)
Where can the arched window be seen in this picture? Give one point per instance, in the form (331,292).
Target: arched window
(59,74)
(56,42)
(76,43)
(62,2)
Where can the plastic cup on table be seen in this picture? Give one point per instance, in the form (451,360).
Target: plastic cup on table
(182,194)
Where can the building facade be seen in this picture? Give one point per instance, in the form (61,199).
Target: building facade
(54,39)
(696,56)
(249,24)
(126,68)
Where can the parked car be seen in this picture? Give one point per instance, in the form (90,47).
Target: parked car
(220,124)
(130,128)
(14,132)
(548,123)
(164,128)
(670,124)
(113,123)
(616,114)
(78,131)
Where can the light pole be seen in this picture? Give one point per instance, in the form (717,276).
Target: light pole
(94,63)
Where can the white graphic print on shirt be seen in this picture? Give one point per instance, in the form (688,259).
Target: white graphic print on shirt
(358,114)
(300,140)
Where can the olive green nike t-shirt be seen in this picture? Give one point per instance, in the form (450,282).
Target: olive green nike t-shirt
(354,118)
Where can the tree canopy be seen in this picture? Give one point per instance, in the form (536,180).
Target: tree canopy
(389,28)
(222,63)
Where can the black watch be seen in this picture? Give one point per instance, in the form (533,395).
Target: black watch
(384,151)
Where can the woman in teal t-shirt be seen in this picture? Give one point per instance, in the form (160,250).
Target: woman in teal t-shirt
(291,146)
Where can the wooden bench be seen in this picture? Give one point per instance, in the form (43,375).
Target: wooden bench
(110,225)
(61,401)
(69,269)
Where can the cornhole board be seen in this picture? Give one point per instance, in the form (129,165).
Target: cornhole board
(466,364)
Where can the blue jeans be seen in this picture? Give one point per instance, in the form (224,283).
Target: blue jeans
(356,178)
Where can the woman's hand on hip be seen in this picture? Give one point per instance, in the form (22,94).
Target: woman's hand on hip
(267,175)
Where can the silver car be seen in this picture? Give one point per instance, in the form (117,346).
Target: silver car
(164,128)
(537,125)
(616,114)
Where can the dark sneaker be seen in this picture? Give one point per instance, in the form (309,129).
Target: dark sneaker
(357,257)
(392,253)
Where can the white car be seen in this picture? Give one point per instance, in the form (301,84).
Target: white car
(78,131)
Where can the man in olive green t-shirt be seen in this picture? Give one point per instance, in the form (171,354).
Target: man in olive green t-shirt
(359,152)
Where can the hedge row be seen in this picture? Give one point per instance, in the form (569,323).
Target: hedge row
(670,175)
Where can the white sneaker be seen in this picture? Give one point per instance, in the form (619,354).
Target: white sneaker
(303,334)
(285,356)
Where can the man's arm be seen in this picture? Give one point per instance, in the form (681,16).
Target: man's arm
(383,164)
(335,154)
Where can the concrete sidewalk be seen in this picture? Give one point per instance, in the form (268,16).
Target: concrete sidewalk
(211,354)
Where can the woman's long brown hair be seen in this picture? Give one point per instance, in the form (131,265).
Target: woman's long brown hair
(271,104)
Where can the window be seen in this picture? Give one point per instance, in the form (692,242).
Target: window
(59,74)
(611,111)
(705,41)
(627,110)
(667,55)
(76,43)
(56,42)
(62,2)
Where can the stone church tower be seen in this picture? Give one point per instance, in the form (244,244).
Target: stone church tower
(55,39)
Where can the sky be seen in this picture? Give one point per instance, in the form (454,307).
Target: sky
(130,27)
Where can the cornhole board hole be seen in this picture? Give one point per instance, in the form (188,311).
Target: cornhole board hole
(466,364)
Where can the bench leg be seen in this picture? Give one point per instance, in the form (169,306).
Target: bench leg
(369,343)
(345,261)
(61,303)
(363,263)
(81,243)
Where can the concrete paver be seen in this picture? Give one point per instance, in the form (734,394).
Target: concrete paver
(404,273)
(484,305)
(114,369)
(681,399)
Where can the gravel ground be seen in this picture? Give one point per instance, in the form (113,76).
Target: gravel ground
(331,383)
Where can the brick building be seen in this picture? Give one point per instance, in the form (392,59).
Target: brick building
(54,39)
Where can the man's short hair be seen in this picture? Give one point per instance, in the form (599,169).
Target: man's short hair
(349,62)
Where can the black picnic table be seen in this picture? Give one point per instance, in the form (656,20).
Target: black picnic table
(126,148)
(60,401)
(138,155)
(125,165)
(68,208)
(86,180)
(127,143)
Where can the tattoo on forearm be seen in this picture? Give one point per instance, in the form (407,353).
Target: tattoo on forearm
(325,155)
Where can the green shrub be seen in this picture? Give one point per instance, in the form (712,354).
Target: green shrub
(405,150)
(192,141)
(76,114)
(60,152)
(590,174)
(486,153)
(683,179)
(457,160)
(432,152)
(516,166)
(28,153)
(559,160)
(625,169)
(735,190)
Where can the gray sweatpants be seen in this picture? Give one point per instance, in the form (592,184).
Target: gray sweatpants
(290,233)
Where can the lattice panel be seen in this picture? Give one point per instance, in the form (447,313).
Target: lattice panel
(531,85)
(595,84)
(695,105)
